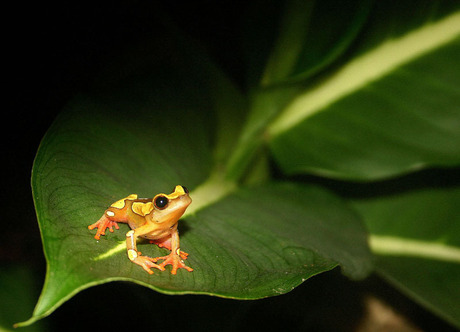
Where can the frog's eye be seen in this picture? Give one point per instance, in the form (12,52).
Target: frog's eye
(161,202)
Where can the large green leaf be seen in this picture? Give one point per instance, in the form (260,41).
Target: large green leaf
(392,109)
(388,106)
(173,123)
(254,243)
(404,121)
(415,237)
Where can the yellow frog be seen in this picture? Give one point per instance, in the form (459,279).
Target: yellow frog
(153,219)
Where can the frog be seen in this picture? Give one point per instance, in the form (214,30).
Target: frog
(155,219)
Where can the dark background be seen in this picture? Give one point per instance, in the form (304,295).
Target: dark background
(53,51)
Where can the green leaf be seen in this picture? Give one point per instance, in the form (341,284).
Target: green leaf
(391,109)
(415,237)
(157,126)
(254,243)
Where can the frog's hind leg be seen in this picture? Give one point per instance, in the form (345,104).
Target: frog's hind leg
(166,243)
(176,257)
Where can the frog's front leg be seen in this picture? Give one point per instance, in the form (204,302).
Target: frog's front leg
(175,257)
(134,255)
(108,220)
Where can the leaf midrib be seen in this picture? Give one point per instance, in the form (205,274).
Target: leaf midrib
(397,246)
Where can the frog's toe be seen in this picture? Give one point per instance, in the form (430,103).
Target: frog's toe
(174,260)
(147,263)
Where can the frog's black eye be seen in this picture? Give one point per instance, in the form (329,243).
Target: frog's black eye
(161,202)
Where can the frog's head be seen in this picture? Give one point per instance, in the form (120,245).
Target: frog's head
(169,208)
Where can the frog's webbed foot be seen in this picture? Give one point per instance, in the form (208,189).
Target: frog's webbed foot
(102,224)
(175,260)
(147,263)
